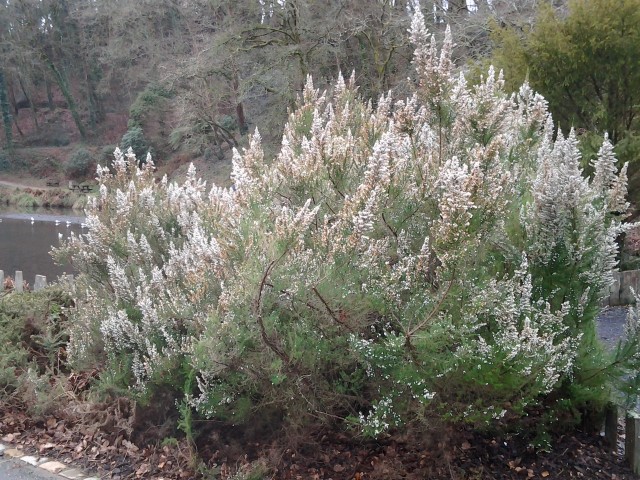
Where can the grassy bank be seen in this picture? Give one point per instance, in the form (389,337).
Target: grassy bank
(34,197)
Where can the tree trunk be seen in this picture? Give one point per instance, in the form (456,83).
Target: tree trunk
(458,7)
(242,122)
(66,92)
(32,106)
(96,113)
(47,86)
(15,122)
(93,115)
(14,105)
(12,96)
(6,113)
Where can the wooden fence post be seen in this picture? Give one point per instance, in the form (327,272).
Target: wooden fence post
(632,441)
(611,425)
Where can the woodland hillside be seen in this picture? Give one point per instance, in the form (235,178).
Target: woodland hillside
(189,79)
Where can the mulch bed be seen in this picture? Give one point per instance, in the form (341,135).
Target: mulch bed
(106,449)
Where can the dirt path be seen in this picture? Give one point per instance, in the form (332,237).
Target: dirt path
(6,183)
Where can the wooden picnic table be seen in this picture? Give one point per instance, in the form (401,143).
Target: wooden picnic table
(80,188)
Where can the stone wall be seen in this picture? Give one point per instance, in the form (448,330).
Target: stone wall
(620,291)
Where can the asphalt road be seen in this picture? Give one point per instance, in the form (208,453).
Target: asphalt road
(14,469)
(610,325)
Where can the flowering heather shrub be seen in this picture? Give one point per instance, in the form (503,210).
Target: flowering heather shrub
(434,257)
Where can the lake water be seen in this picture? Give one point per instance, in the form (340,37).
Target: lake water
(27,236)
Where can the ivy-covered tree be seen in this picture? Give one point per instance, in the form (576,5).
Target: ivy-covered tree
(6,113)
(4,98)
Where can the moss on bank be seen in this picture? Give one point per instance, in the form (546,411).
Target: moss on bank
(33,197)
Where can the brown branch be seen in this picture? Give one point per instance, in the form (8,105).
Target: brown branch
(293,299)
(266,30)
(257,309)
(432,314)
(389,227)
(411,214)
(335,186)
(410,347)
(331,312)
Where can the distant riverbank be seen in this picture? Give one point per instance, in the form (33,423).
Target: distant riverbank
(32,197)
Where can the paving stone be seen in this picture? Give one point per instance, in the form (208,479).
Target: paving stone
(53,467)
(30,459)
(73,474)
(14,452)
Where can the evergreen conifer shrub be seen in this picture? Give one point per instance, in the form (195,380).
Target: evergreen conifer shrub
(134,139)
(80,164)
(439,257)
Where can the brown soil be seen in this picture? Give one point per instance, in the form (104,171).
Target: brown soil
(97,437)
